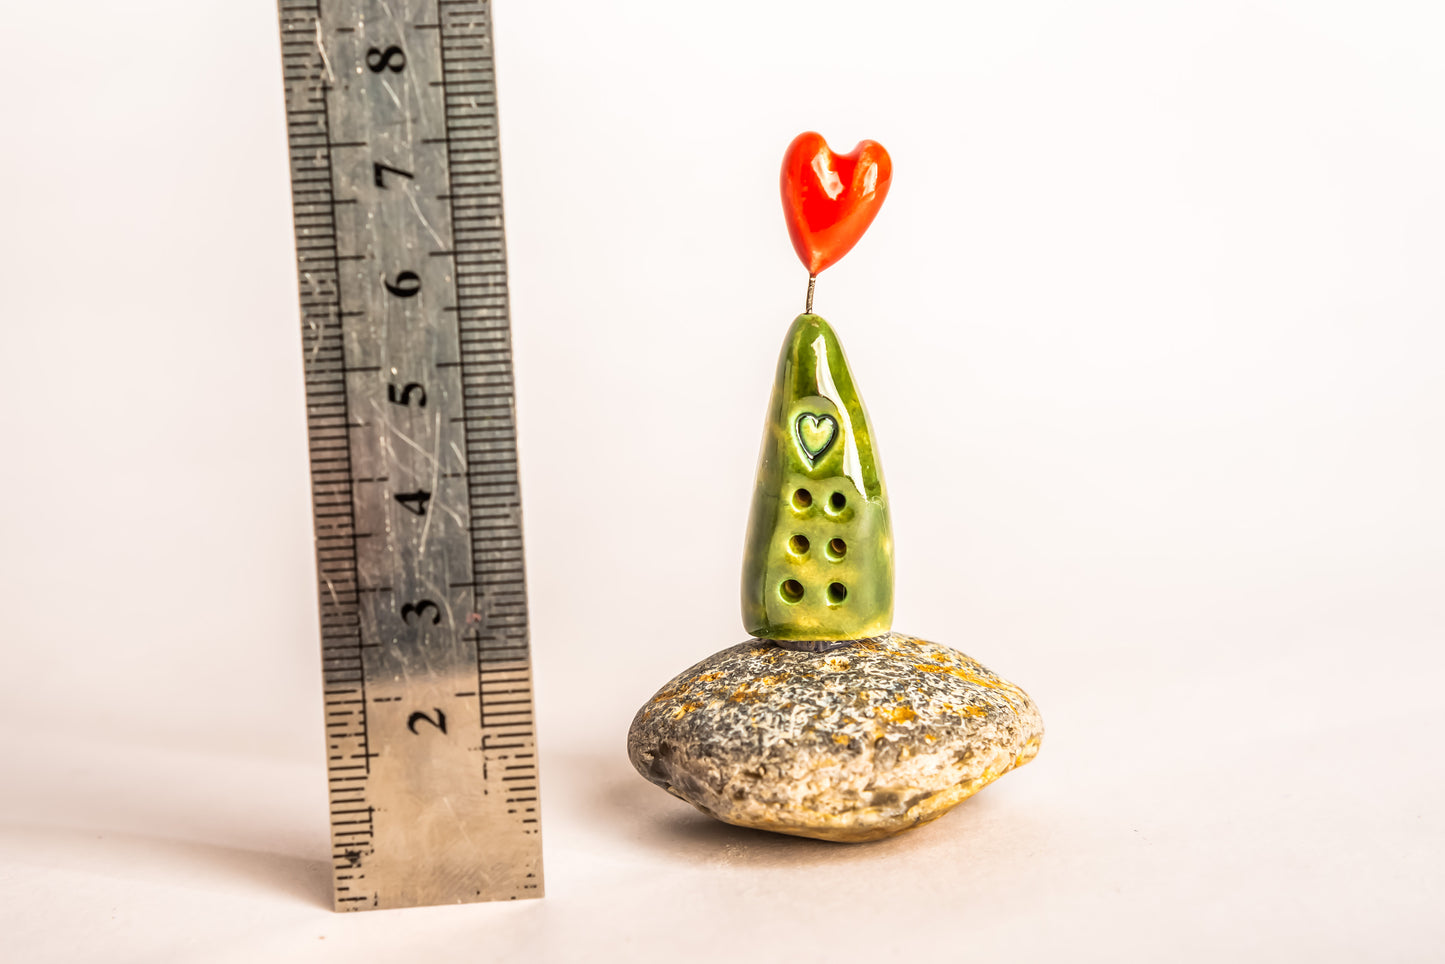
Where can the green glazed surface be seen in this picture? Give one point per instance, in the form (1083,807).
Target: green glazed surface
(819,557)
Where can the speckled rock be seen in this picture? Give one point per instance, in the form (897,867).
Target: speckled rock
(853,744)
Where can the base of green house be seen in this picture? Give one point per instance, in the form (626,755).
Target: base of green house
(819,645)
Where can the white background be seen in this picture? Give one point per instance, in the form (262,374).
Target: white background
(1151,328)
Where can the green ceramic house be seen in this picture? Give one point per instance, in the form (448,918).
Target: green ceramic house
(819,558)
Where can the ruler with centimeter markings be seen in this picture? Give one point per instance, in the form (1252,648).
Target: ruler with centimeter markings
(392,121)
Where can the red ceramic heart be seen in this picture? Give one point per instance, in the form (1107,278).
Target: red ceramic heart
(830,199)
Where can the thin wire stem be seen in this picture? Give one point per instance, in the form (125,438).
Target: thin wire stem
(812,280)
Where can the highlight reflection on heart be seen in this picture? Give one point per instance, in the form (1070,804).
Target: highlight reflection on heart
(830,199)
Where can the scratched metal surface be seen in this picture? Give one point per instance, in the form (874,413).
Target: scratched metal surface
(401,258)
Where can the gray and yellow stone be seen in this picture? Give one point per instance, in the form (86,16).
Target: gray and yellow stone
(853,744)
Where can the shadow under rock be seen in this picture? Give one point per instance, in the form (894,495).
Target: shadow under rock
(612,800)
(691,833)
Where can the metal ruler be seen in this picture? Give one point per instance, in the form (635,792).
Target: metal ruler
(392,120)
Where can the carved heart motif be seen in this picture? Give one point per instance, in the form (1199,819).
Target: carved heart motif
(830,199)
(815,434)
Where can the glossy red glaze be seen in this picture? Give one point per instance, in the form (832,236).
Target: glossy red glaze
(830,199)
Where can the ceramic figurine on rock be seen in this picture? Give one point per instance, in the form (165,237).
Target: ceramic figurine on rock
(818,568)
(827,724)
